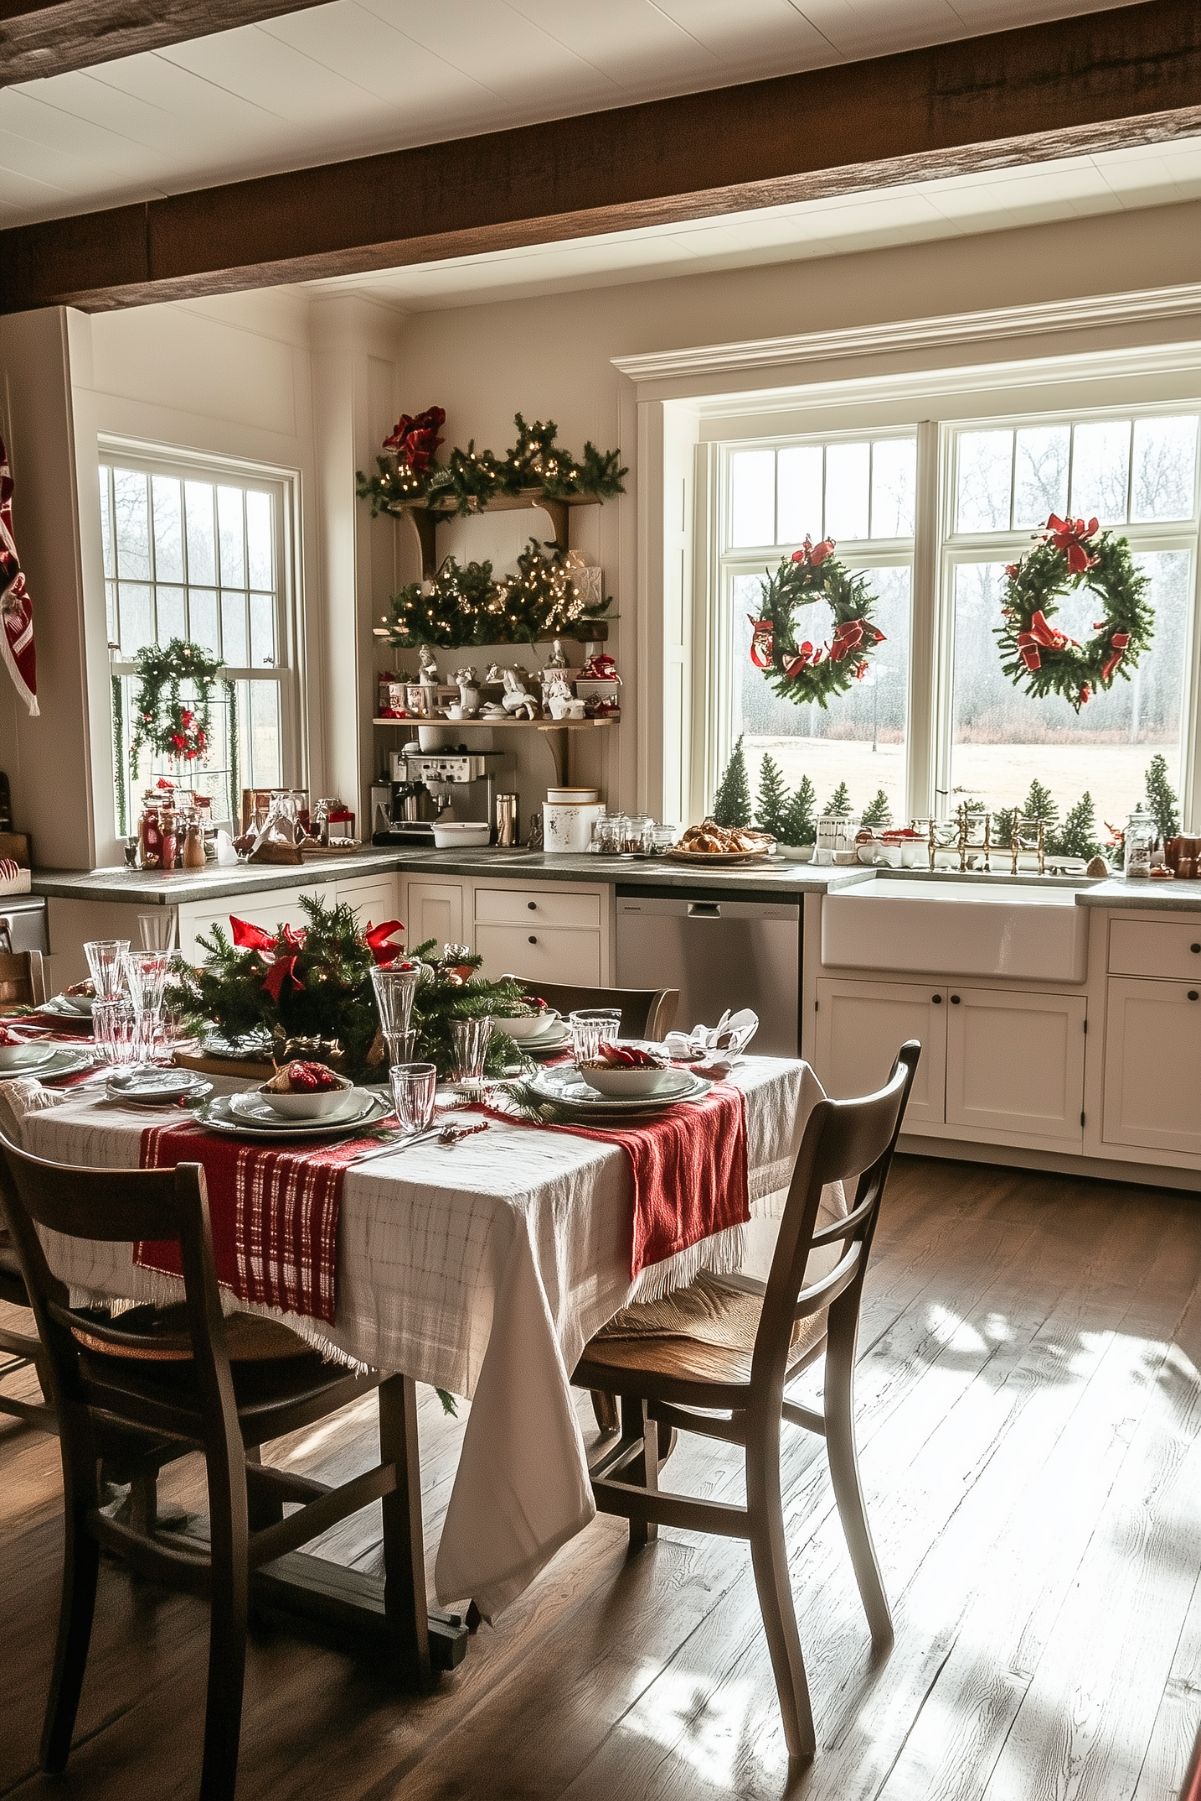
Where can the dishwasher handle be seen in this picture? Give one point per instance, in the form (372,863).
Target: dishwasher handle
(704,909)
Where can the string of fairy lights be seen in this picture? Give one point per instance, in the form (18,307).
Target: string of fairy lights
(469,478)
(466,603)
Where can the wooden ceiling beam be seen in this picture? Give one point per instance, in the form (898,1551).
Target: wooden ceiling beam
(40,38)
(1092,82)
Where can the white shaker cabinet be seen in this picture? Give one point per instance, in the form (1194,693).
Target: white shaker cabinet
(861,1025)
(547,933)
(1015,1063)
(375,898)
(1153,1063)
(432,909)
(272,908)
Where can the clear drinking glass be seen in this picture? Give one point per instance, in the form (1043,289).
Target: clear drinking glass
(592,1026)
(413,1088)
(470,1039)
(146,973)
(158,929)
(114,1024)
(394,991)
(106,961)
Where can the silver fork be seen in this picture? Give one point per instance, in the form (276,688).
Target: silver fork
(444,1135)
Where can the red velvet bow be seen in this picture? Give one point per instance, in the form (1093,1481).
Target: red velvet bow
(761,642)
(248,937)
(284,949)
(1041,634)
(847,637)
(379,943)
(806,657)
(814,554)
(1071,536)
(1118,644)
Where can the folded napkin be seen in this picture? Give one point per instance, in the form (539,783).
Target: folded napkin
(22,1096)
(720,1045)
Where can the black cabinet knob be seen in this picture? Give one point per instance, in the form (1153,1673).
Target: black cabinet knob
(533,940)
(532,905)
(954,1000)
(937,999)
(1193,995)
(1196,949)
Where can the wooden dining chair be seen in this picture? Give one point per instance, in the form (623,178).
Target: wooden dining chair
(645,1012)
(730,1349)
(20,1350)
(22,980)
(187,1379)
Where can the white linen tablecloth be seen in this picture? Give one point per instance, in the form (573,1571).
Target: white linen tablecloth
(483,1268)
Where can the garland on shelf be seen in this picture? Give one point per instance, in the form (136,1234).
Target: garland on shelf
(1035,654)
(798,669)
(466,604)
(311,986)
(161,718)
(409,474)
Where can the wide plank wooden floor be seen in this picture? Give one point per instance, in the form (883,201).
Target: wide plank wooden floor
(1030,1434)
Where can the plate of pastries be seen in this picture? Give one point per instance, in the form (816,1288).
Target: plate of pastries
(709,842)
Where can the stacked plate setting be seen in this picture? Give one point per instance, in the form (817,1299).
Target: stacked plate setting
(538,1035)
(249,1115)
(56,1060)
(568,1088)
(157,1087)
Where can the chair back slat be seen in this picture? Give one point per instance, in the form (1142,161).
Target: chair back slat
(118,1207)
(851,1142)
(22,979)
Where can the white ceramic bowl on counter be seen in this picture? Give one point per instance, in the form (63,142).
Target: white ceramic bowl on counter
(460,835)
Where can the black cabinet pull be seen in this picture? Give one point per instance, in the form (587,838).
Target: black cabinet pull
(954,1000)
(533,940)
(1193,995)
(937,999)
(532,905)
(1196,949)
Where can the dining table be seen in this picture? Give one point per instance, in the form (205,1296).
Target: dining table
(483,1268)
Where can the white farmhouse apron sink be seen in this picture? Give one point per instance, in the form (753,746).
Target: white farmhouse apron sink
(935,927)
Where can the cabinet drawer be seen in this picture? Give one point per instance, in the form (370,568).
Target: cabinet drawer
(548,906)
(1156,947)
(374,898)
(556,954)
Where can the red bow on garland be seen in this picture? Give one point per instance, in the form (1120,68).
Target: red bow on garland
(413,440)
(1042,635)
(1071,536)
(379,942)
(284,949)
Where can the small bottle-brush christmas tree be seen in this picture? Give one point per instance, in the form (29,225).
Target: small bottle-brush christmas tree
(772,799)
(799,824)
(1078,834)
(878,812)
(839,804)
(1162,803)
(1039,804)
(732,802)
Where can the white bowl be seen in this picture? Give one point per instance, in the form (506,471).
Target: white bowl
(24,1056)
(627,1084)
(537,1025)
(459,835)
(308,1106)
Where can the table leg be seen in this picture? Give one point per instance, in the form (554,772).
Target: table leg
(404,1545)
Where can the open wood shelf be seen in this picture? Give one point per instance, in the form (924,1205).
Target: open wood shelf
(501,725)
(426,515)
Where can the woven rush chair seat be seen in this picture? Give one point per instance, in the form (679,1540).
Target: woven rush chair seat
(249,1337)
(703,1333)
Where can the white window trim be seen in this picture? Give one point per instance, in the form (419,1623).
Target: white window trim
(689,392)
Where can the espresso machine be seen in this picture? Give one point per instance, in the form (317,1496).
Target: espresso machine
(429,788)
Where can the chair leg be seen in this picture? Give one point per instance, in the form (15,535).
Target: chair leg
(405,1605)
(636,1423)
(839,1411)
(81,1565)
(229,1599)
(604,1408)
(769,1556)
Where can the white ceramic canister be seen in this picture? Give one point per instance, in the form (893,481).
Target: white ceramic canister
(567,831)
(572,797)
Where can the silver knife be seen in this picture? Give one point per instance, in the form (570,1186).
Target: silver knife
(395,1144)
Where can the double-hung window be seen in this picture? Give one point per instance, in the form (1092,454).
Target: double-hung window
(200,552)
(932,514)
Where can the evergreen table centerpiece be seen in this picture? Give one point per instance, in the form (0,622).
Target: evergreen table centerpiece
(306,991)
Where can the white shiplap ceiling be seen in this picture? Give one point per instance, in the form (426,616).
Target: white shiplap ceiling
(359,76)
(993,200)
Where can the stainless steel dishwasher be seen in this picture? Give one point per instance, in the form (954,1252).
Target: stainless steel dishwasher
(719,953)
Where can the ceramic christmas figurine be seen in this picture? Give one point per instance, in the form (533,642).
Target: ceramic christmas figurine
(558,656)
(428,676)
(469,692)
(518,700)
(556,694)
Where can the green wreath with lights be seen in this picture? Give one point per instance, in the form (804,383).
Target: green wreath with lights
(1072,554)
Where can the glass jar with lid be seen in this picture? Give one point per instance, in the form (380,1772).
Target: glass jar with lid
(1139,844)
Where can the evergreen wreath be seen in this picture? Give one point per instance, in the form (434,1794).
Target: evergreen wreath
(408,473)
(161,718)
(1035,654)
(311,985)
(798,669)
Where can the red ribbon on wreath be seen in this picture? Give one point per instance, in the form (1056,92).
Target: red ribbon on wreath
(850,635)
(762,637)
(1071,536)
(1118,644)
(813,554)
(1041,635)
(284,949)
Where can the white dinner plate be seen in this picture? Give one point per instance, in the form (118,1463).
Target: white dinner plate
(253,1108)
(567,1088)
(66,1060)
(157,1085)
(60,1006)
(35,1056)
(218,1116)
